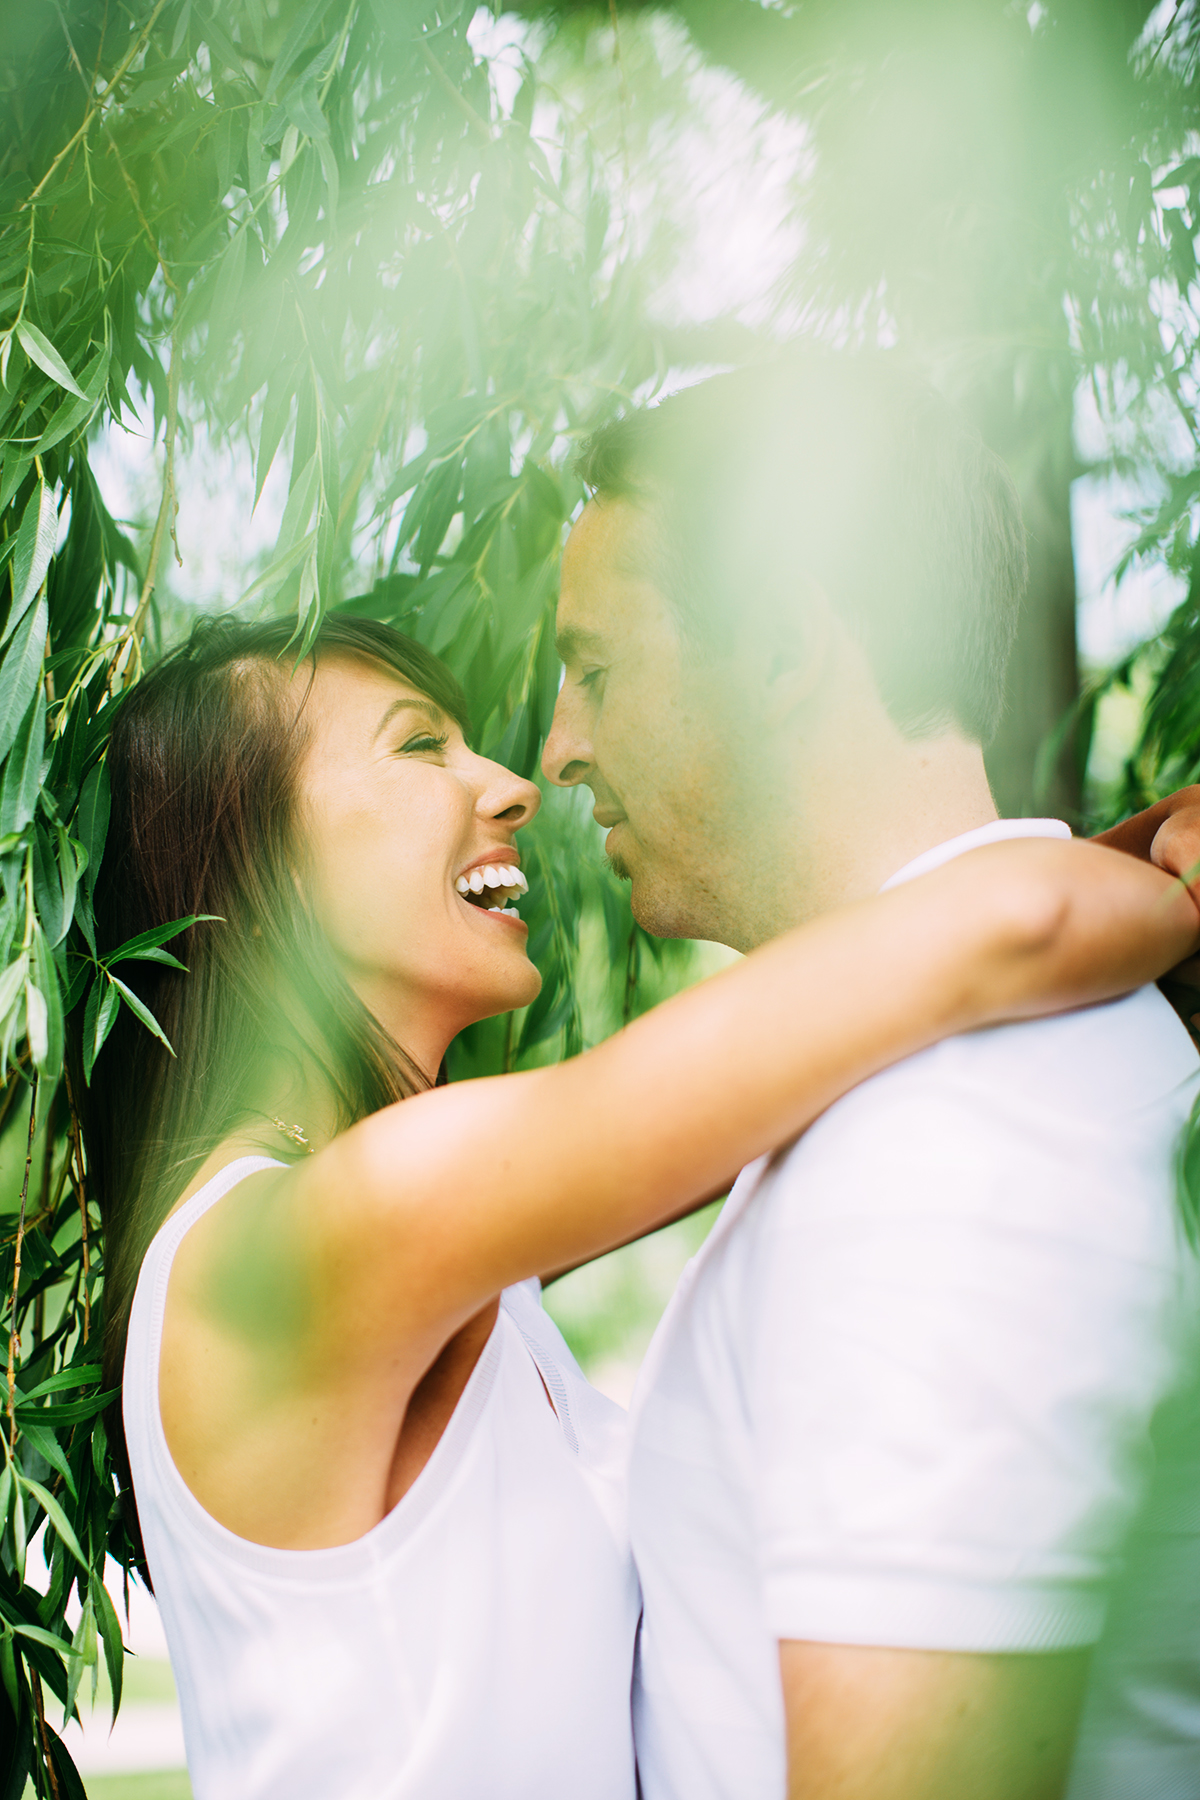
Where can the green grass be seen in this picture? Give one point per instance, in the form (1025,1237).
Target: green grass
(174,1785)
(170,1784)
(147,1682)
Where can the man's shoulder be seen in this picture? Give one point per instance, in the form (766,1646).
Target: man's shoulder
(1105,1062)
(1076,1116)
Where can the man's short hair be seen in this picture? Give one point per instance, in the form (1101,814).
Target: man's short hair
(843,469)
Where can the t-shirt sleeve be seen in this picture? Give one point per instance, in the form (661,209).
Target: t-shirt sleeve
(960,1333)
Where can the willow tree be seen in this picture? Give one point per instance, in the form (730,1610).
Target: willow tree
(312,221)
(1011,194)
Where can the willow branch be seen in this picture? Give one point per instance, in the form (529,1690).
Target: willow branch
(75,1153)
(39,1708)
(16,1287)
(97,107)
(460,100)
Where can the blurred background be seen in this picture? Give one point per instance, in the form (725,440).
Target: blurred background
(306,303)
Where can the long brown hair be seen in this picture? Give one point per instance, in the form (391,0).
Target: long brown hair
(202,761)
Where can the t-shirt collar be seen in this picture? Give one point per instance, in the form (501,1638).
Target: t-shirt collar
(995,833)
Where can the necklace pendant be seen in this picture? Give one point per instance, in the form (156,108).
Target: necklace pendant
(294,1134)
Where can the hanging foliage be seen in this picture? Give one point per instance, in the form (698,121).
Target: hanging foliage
(312,222)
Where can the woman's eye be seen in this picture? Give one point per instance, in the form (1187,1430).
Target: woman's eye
(591,677)
(426,742)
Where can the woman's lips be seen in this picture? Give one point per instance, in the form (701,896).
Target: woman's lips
(510,919)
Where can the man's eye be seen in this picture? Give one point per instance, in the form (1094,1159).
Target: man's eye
(590,677)
(425,742)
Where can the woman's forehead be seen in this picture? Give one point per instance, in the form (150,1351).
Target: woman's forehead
(353,699)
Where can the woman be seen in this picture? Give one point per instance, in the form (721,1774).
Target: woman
(380,1506)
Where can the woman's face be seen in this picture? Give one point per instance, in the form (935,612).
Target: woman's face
(398,817)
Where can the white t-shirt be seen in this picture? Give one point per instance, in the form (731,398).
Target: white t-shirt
(903,1395)
(477,1642)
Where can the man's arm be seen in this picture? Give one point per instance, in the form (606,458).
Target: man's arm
(876,1724)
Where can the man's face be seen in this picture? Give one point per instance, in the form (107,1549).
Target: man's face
(651,728)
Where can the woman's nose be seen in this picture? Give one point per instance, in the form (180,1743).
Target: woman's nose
(506,796)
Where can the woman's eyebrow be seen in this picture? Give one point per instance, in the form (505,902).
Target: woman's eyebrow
(408,703)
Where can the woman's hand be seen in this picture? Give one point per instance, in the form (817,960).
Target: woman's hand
(1175,846)
(1168,835)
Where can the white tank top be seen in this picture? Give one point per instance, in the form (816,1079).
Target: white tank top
(476,1644)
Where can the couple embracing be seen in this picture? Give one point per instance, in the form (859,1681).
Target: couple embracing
(908,1506)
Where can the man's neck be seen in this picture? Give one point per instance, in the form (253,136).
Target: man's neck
(852,827)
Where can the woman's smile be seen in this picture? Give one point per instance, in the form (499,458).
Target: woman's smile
(493,884)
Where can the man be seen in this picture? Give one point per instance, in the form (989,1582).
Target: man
(896,1427)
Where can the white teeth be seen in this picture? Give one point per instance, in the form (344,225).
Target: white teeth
(492,875)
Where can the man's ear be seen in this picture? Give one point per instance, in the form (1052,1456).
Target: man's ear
(798,656)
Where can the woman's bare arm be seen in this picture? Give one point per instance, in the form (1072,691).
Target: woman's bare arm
(422,1212)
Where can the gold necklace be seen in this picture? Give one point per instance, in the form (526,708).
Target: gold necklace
(293,1133)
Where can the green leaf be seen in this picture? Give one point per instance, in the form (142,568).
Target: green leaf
(78,981)
(83,1647)
(71,861)
(274,576)
(20,1524)
(181,30)
(23,770)
(11,983)
(48,888)
(303,108)
(231,271)
(39,349)
(17,464)
(142,1012)
(46,976)
(294,44)
(69,1412)
(277,410)
(158,956)
(37,1635)
(137,946)
(54,1513)
(114,1648)
(298,511)
(73,1376)
(32,554)
(8,1671)
(47,1446)
(99,1017)
(91,821)
(20,673)
(227,51)
(73,415)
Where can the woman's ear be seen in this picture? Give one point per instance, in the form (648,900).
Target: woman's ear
(799,654)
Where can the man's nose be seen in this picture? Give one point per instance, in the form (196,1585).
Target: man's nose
(568,758)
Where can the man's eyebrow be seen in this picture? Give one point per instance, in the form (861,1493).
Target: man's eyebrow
(574,642)
(410,703)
